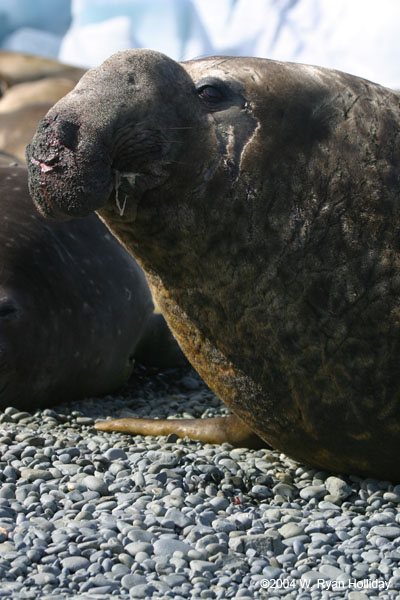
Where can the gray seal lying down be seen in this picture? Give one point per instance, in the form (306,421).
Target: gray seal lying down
(75,308)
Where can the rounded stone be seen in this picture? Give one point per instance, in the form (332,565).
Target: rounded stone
(312,491)
(115,454)
(389,532)
(95,484)
(291,530)
(75,563)
(337,487)
(167,547)
(135,547)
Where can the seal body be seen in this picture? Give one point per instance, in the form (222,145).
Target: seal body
(18,126)
(75,307)
(18,67)
(8,160)
(261,199)
(47,90)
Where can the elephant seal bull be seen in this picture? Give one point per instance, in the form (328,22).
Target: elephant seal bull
(262,200)
(75,308)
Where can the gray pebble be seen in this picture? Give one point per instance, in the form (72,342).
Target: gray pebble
(85,421)
(131,580)
(334,573)
(178,517)
(371,556)
(7,491)
(144,590)
(272,572)
(261,491)
(198,567)
(285,490)
(174,580)
(135,547)
(313,491)
(19,416)
(167,547)
(290,530)
(337,487)
(115,454)
(43,578)
(139,535)
(35,474)
(117,516)
(390,532)
(264,543)
(95,484)
(219,503)
(75,563)
(392,497)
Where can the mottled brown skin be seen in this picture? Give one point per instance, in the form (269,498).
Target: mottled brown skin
(261,199)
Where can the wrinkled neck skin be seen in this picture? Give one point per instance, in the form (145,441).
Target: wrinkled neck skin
(172,223)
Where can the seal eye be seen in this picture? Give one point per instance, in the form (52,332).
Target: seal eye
(210,93)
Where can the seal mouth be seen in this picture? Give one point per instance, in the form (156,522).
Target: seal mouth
(45,205)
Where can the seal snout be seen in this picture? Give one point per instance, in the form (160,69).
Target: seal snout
(54,140)
(68,177)
(123,119)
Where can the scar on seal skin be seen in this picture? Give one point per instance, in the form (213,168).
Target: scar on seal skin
(261,199)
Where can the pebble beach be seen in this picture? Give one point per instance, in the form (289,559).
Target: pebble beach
(86,514)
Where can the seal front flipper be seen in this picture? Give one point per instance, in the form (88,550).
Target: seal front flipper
(217,430)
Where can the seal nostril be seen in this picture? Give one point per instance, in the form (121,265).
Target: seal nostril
(60,132)
(69,134)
